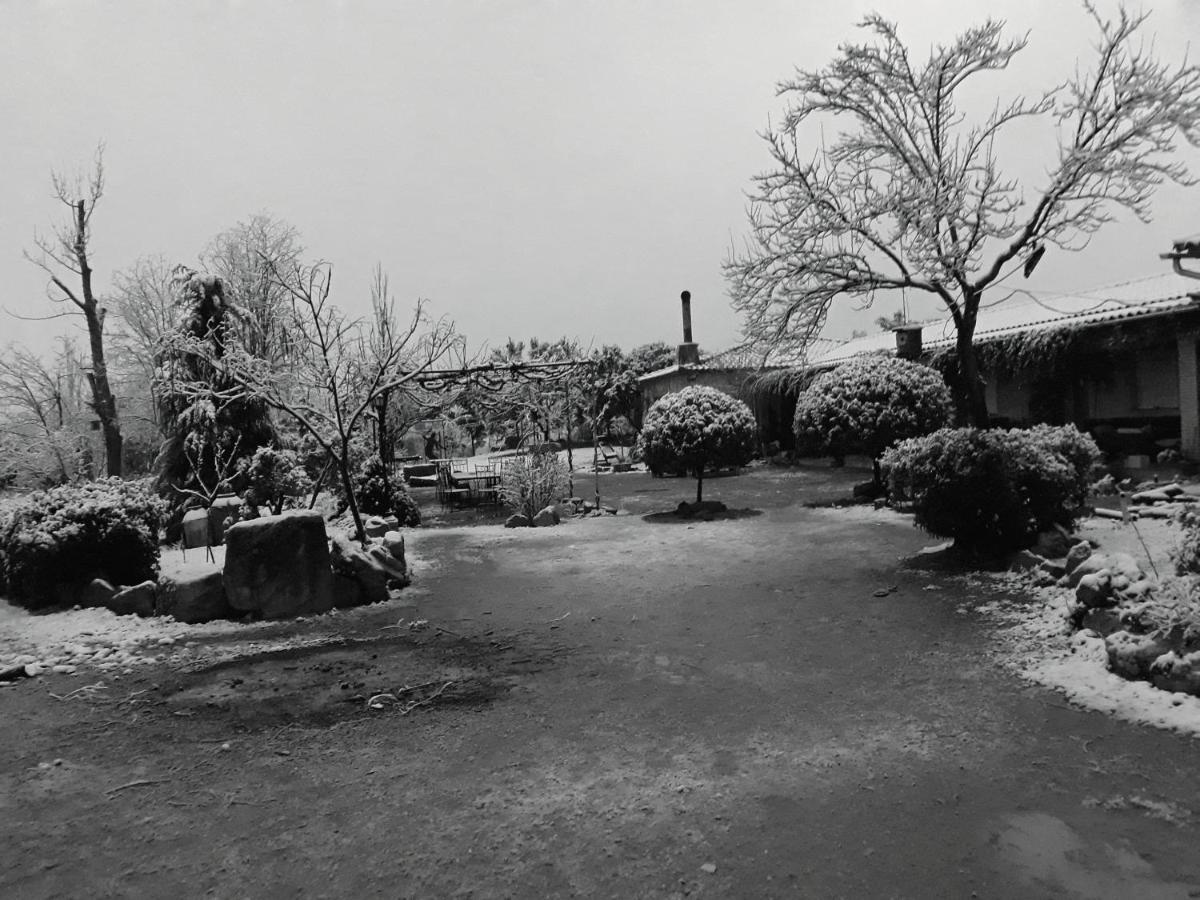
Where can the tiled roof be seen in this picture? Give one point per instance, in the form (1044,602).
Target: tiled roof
(748,357)
(1142,298)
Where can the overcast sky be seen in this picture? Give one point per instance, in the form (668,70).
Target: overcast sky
(540,168)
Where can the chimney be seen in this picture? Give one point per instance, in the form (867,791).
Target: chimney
(688,353)
(908,341)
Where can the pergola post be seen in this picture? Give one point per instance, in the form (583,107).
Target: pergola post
(1189,397)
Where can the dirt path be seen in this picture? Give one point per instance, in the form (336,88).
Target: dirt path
(636,708)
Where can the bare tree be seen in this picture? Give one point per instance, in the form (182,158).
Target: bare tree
(40,405)
(340,369)
(67,252)
(913,196)
(245,258)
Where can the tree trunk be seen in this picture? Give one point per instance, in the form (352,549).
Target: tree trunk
(343,464)
(970,394)
(103,401)
(700,486)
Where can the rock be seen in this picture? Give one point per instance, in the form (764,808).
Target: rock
(565,510)
(393,543)
(1106,486)
(195,528)
(1124,564)
(98,592)
(193,595)
(1052,544)
(1094,590)
(1053,569)
(1076,555)
(517,520)
(138,600)
(12,673)
(1097,562)
(1172,490)
(1102,621)
(1025,561)
(546,518)
(395,572)
(223,510)
(348,561)
(378,526)
(1131,655)
(278,566)
(1180,674)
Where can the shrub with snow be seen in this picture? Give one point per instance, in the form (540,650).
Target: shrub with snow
(697,430)
(66,536)
(868,404)
(992,489)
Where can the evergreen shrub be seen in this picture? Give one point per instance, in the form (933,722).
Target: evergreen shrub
(56,541)
(992,489)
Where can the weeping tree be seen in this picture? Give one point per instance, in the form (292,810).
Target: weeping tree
(911,194)
(209,421)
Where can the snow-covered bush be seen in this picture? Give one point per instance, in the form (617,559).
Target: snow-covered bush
(378,495)
(530,483)
(697,430)
(868,404)
(66,536)
(993,490)
(274,479)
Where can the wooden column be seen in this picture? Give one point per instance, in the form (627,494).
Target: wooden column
(1189,397)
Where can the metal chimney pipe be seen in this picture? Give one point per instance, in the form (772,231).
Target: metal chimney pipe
(686,297)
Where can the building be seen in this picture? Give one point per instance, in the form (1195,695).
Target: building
(1119,361)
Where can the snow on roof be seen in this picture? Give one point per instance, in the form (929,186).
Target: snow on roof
(1141,298)
(748,356)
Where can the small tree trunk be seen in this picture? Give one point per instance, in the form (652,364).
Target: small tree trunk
(973,397)
(343,463)
(700,486)
(878,474)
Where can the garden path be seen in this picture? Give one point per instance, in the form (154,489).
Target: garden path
(642,708)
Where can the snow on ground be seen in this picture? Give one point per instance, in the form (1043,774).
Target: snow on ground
(1036,644)
(99,640)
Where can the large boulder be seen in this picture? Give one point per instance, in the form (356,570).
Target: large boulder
(546,517)
(1094,564)
(518,520)
(138,600)
(361,579)
(195,594)
(278,566)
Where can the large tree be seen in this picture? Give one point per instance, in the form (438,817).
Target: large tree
(65,257)
(910,194)
(339,370)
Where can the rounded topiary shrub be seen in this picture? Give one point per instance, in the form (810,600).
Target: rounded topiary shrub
(379,495)
(56,541)
(697,430)
(992,490)
(868,404)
